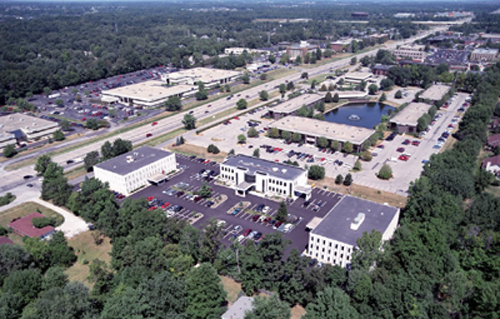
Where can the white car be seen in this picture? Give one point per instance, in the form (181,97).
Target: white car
(265,209)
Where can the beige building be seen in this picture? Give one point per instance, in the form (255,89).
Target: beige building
(406,121)
(291,106)
(357,77)
(435,93)
(484,55)
(136,169)
(238,51)
(147,94)
(301,50)
(247,173)
(17,127)
(209,77)
(415,52)
(312,129)
(333,239)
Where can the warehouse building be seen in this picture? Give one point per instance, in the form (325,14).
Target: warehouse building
(16,128)
(414,52)
(357,77)
(209,77)
(136,169)
(147,94)
(291,106)
(312,129)
(406,120)
(333,239)
(435,93)
(247,173)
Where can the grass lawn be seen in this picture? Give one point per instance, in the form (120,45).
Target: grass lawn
(494,190)
(189,149)
(232,287)
(86,249)
(25,209)
(298,312)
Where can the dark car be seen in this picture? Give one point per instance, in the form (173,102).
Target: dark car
(27,176)
(255,218)
(306,203)
(260,207)
(179,194)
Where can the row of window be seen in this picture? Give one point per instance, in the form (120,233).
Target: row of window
(226,169)
(332,260)
(330,252)
(229,177)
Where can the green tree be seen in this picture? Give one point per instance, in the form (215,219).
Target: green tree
(202,93)
(354,60)
(242,139)
(335,145)
(348,147)
(290,86)
(263,76)
(331,303)
(241,104)
(205,191)
(304,75)
(25,284)
(298,60)
(205,294)
(348,180)
(286,135)
(369,250)
(372,89)
(231,152)
(256,153)
(272,58)
(227,88)
(339,179)
(65,125)
(213,149)
(316,172)
(398,95)
(90,160)
(296,137)
(252,132)
(245,78)
(386,84)
(263,95)
(55,277)
(9,151)
(59,102)
(42,162)
(273,133)
(328,97)
(357,165)
(322,142)
(173,103)
(335,98)
(382,98)
(47,91)
(59,135)
(269,308)
(189,122)
(385,172)
(282,213)
(366,156)
(282,88)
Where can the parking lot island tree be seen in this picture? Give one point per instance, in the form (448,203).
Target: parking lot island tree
(282,213)
(316,172)
(357,165)
(242,139)
(256,153)
(205,191)
(189,122)
(252,132)
(385,172)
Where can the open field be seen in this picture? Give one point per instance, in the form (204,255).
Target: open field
(494,190)
(87,250)
(362,192)
(232,287)
(189,149)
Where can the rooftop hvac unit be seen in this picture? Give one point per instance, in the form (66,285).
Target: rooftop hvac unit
(357,221)
(283,170)
(275,169)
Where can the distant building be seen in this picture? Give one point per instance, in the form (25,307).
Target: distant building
(360,14)
(415,52)
(406,121)
(209,77)
(239,308)
(334,239)
(485,55)
(357,77)
(136,169)
(301,50)
(401,15)
(493,37)
(17,127)
(24,227)
(247,173)
(341,45)
(494,140)
(492,165)
(291,106)
(238,51)
(380,69)
(435,93)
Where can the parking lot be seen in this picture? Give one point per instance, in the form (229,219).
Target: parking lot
(188,181)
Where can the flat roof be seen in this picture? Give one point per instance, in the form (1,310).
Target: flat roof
(313,127)
(435,92)
(26,123)
(411,113)
(254,164)
(358,75)
(336,224)
(142,156)
(485,51)
(206,75)
(296,103)
(149,90)
(342,42)
(239,308)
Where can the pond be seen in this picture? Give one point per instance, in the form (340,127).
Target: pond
(359,114)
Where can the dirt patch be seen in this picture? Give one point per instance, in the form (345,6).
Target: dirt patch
(232,287)
(297,312)
(189,149)
(364,192)
(87,250)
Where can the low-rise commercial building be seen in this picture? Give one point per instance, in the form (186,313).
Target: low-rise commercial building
(492,165)
(209,77)
(147,94)
(239,308)
(136,169)
(343,45)
(435,93)
(238,51)
(312,129)
(290,107)
(483,55)
(494,140)
(381,69)
(24,227)
(406,120)
(247,173)
(334,239)
(15,128)
(414,52)
(357,77)
(301,50)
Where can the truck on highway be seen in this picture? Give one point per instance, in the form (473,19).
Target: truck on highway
(55,95)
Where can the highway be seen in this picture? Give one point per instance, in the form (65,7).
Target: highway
(12,179)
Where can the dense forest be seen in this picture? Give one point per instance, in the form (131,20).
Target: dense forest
(56,46)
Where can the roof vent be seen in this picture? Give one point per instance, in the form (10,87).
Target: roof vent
(283,171)
(357,221)
(275,169)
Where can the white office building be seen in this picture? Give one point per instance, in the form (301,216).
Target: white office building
(333,239)
(136,169)
(247,173)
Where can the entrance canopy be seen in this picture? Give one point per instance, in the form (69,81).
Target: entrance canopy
(244,186)
(314,223)
(157,178)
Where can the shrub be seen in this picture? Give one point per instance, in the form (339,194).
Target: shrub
(366,156)
(41,222)
(339,179)
(348,180)
(385,172)
(213,149)
(316,172)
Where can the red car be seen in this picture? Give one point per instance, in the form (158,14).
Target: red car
(403,157)
(381,146)
(209,105)
(415,143)
(255,218)
(247,232)
(206,161)
(236,118)
(400,149)
(154,123)
(149,135)
(406,142)
(84,119)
